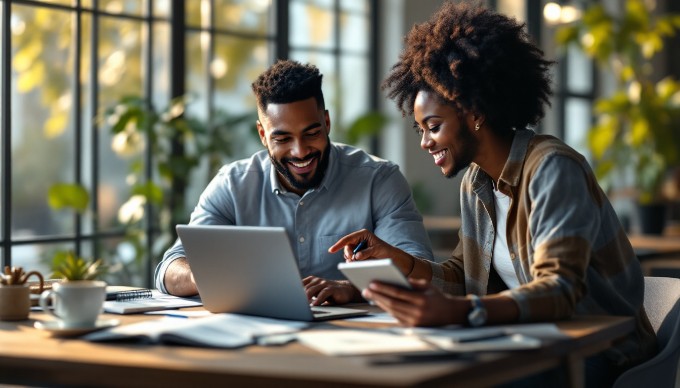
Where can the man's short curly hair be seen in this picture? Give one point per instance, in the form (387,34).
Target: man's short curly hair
(288,81)
(478,60)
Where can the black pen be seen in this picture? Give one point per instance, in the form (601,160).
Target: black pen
(362,245)
(481,337)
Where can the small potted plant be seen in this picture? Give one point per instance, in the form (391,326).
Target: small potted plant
(69,267)
(78,299)
(15,298)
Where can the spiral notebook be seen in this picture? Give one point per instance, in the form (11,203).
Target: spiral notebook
(121,293)
(139,300)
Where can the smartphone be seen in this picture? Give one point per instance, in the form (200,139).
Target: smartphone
(361,273)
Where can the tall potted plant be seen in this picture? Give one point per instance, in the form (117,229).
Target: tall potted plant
(635,136)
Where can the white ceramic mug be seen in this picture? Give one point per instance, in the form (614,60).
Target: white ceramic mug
(76,303)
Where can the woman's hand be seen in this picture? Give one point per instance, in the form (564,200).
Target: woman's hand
(423,305)
(375,249)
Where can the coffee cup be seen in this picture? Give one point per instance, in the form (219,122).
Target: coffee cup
(75,303)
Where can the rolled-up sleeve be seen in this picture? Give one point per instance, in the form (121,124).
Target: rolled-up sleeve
(214,208)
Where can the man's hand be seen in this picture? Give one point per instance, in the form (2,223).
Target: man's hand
(320,291)
(423,306)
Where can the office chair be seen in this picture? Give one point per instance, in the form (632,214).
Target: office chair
(662,303)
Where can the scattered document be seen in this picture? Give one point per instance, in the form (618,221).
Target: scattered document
(453,339)
(158,301)
(460,339)
(457,332)
(217,331)
(375,318)
(493,343)
(350,342)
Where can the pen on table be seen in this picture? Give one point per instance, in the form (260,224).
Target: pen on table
(481,337)
(175,315)
(362,245)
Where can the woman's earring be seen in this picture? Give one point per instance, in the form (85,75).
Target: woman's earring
(476,126)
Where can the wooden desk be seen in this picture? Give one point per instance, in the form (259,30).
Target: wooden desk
(649,246)
(659,255)
(29,356)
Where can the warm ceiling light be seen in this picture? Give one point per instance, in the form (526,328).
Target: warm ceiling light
(555,13)
(552,12)
(569,14)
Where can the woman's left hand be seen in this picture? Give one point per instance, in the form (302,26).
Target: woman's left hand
(424,305)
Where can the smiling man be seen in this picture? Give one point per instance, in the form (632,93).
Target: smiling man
(318,190)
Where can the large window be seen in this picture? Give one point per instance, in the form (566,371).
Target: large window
(64,63)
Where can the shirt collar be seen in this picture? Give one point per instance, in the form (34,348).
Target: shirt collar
(512,171)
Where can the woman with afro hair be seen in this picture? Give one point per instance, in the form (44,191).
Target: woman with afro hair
(539,240)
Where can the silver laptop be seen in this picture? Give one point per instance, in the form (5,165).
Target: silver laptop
(250,270)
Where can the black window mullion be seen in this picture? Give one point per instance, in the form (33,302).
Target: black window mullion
(177,89)
(94,103)
(6,137)
(148,92)
(561,109)
(282,30)
(337,62)
(211,57)
(534,20)
(77,114)
(374,66)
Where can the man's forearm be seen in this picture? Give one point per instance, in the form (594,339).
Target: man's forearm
(179,280)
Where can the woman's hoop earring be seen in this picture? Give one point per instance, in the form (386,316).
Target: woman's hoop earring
(477,127)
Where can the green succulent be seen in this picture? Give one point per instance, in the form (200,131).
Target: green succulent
(68,266)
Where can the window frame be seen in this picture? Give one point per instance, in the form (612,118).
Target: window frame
(178,31)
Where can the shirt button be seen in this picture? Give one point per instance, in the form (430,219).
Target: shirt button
(302,203)
(302,239)
(512,256)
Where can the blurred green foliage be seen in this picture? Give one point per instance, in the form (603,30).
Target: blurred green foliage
(66,265)
(137,127)
(365,126)
(67,195)
(636,128)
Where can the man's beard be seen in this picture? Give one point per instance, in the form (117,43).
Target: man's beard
(470,146)
(311,182)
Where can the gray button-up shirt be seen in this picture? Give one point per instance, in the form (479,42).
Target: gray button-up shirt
(358,191)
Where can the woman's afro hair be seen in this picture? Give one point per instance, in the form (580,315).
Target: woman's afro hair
(478,60)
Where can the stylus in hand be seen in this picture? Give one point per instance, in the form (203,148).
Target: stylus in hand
(362,245)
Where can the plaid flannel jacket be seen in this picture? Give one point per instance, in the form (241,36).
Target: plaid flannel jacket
(568,248)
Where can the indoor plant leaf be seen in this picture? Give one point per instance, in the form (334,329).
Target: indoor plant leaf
(65,195)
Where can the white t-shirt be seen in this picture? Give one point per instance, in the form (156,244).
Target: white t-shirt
(501,254)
